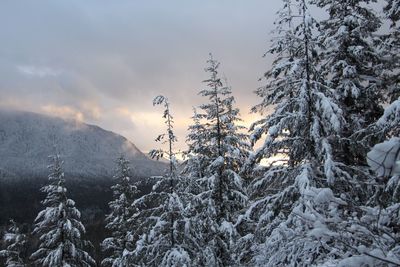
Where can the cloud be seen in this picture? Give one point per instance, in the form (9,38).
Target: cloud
(65,112)
(87,59)
(91,109)
(38,71)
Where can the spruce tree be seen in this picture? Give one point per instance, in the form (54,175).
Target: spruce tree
(15,243)
(119,243)
(388,124)
(295,211)
(217,150)
(58,226)
(163,234)
(197,156)
(378,225)
(352,65)
(391,51)
(355,59)
(381,212)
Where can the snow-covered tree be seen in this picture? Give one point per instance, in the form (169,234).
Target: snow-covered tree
(351,64)
(391,50)
(296,209)
(197,156)
(225,142)
(15,243)
(58,226)
(163,234)
(375,226)
(217,148)
(378,225)
(119,244)
(388,123)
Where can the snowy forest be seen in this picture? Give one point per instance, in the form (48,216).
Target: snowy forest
(314,182)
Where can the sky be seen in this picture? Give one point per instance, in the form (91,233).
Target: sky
(102,62)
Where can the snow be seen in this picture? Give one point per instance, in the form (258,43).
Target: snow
(356,261)
(384,158)
(330,111)
(324,196)
(88,150)
(176,257)
(227,228)
(302,180)
(343,30)
(320,231)
(391,115)
(218,162)
(273,130)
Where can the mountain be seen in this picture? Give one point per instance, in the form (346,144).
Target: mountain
(88,151)
(89,154)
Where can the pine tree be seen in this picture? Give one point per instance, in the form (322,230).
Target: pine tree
(217,149)
(15,245)
(198,154)
(163,234)
(392,50)
(359,72)
(295,214)
(352,65)
(119,244)
(378,225)
(388,124)
(381,216)
(58,226)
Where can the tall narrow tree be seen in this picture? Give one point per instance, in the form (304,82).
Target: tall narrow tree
(58,226)
(352,66)
(217,149)
(164,236)
(295,211)
(392,49)
(119,244)
(15,245)
(388,124)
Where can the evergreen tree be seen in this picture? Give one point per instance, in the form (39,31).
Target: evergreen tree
(198,153)
(117,221)
(391,50)
(15,245)
(163,234)
(217,150)
(350,41)
(295,214)
(58,226)
(352,66)
(381,212)
(378,227)
(388,124)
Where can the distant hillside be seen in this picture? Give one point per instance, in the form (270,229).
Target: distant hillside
(88,151)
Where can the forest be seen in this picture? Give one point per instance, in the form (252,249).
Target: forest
(314,182)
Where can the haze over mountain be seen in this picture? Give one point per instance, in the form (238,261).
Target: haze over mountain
(88,151)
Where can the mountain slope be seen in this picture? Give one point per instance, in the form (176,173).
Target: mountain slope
(88,151)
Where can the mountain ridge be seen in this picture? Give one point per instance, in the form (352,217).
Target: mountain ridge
(89,151)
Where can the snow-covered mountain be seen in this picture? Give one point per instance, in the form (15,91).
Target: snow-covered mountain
(26,140)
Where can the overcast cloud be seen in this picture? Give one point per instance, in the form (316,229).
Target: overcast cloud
(104,61)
